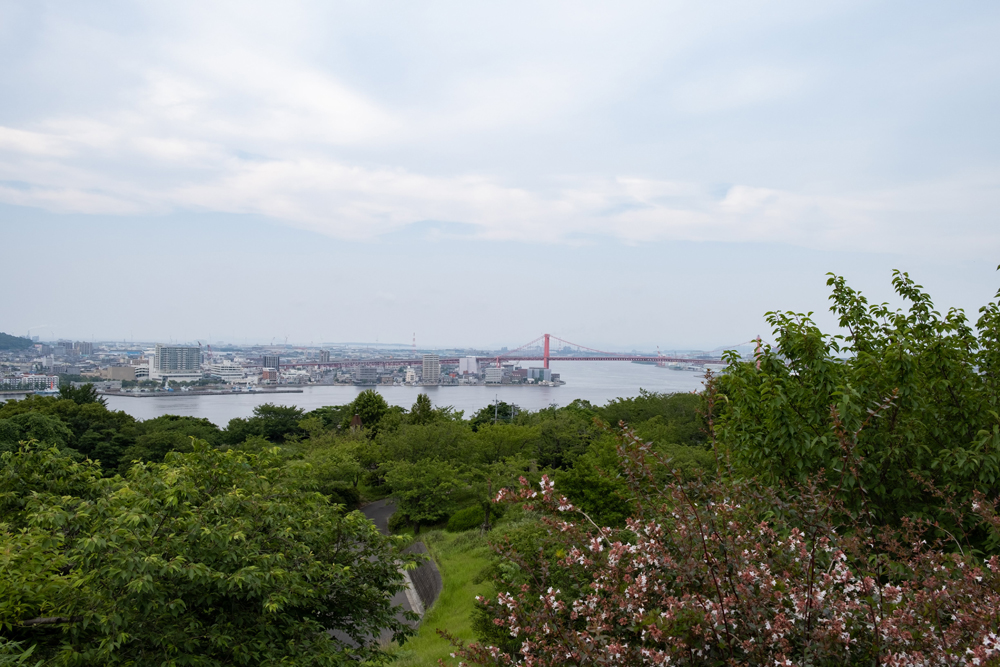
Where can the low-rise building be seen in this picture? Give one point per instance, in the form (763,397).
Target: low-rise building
(540,374)
(493,375)
(365,374)
(119,373)
(30,382)
(101,385)
(228,371)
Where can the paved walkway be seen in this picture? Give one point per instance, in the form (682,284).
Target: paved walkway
(423,585)
(379,512)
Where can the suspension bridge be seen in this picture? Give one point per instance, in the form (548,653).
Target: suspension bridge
(526,352)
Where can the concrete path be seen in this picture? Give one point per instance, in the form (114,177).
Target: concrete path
(379,512)
(423,585)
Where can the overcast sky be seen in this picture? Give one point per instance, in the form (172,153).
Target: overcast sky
(618,174)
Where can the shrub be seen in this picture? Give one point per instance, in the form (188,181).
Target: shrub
(466,519)
(738,573)
(397,522)
(347,496)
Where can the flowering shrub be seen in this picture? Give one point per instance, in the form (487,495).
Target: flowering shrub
(728,573)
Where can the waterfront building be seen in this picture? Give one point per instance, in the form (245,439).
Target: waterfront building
(119,373)
(173,359)
(493,375)
(365,374)
(411,375)
(468,366)
(101,385)
(30,382)
(176,363)
(271,361)
(432,369)
(540,374)
(228,371)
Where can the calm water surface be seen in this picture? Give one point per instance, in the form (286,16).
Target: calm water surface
(595,381)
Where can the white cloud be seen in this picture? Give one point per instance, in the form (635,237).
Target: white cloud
(581,122)
(351,201)
(31,143)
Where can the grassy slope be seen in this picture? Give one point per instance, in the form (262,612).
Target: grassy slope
(460,557)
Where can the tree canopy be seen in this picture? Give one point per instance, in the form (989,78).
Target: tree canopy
(8,342)
(916,392)
(208,558)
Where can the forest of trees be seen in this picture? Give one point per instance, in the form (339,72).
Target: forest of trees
(8,342)
(832,501)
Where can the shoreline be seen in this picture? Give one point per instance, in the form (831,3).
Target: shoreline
(164,394)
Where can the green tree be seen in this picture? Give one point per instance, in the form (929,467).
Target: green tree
(422,411)
(81,395)
(194,427)
(370,407)
(563,436)
(428,491)
(498,412)
(275,423)
(330,462)
(495,442)
(446,440)
(332,416)
(667,418)
(208,558)
(33,426)
(96,431)
(914,393)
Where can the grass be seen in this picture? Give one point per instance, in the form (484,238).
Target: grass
(459,557)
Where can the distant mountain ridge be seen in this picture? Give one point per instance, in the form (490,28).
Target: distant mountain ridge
(8,342)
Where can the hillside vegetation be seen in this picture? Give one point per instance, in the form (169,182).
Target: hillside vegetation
(831,502)
(14,343)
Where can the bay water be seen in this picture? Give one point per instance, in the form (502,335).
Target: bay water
(594,381)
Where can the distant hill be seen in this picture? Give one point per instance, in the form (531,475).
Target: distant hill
(8,342)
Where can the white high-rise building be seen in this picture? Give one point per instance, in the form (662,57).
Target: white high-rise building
(432,369)
(468,366)
(175,359)
(176,363)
